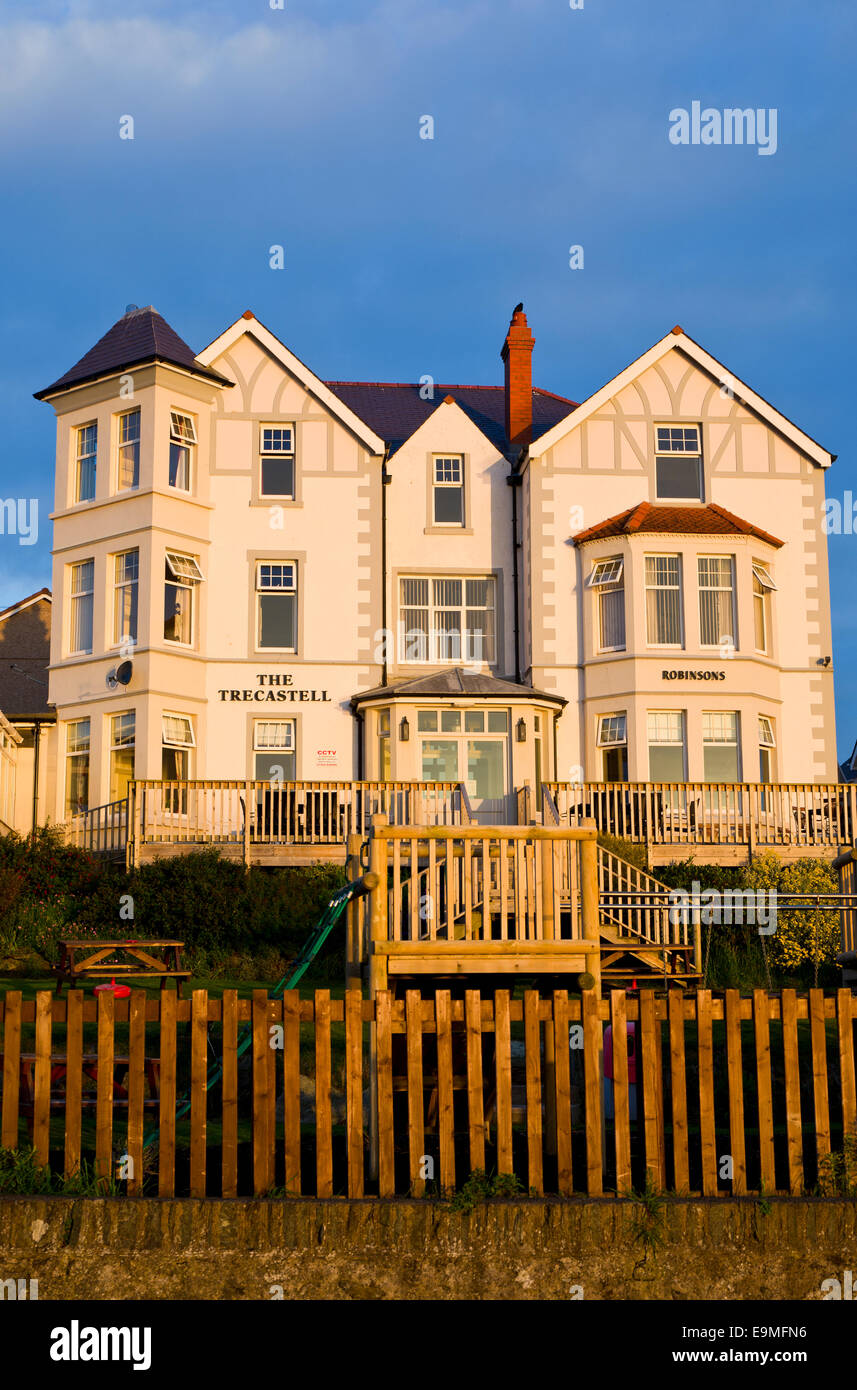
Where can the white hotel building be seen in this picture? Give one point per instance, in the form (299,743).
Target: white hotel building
(492,585)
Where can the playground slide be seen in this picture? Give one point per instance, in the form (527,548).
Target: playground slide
(298,967)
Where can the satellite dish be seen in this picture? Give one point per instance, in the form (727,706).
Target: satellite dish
(120,675)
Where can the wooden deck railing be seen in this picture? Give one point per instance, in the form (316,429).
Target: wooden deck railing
(488,883)
(474,1083)
(295,813)
(754,814)
(101,831)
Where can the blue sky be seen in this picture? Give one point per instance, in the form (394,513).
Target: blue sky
(403,256)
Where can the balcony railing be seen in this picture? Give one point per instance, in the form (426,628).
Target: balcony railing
(757,815)
(292,813)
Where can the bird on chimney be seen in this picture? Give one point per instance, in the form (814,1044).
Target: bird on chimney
(517,309)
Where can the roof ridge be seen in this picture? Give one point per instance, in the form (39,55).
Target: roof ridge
(638,515)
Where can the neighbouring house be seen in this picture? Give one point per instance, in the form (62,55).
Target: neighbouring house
(28,729)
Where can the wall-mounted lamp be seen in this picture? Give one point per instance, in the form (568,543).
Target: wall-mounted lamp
(404,730)
(521,731)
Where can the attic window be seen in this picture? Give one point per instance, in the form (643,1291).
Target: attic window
(678,462)
(448,491)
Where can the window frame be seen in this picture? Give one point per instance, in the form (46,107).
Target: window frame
(186,581)
(290,591)
(439,485)
(434,633)
(114,745)
(81,458)
(121,639)
(717,589)
(178,440)
(667,743)
(669,453)
(124,444)
(275,454)
(678,589)
(77,753)
(74,601)
(708,742)
(762,604)
(256,748)
(607,579)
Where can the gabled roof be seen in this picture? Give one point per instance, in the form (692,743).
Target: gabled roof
(25,603)
(395,409)
(645,518)
(140,336)
(249,325)
(456,682)
(677,338)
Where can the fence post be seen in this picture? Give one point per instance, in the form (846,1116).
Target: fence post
(353,942)
(377,971)
(589,905)
(246,846)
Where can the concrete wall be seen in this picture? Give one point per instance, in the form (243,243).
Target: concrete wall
(128,1249)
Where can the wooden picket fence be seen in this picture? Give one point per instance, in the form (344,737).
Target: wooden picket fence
(410,1096)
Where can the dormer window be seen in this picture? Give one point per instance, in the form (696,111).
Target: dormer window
(678,463)
(448,491)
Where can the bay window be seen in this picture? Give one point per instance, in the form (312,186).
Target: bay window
(716,600)
(447,619)
(607,579)
(663,601)
(81,591)
(666,746)
(77,767)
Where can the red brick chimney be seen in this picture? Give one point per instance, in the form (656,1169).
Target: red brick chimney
(517,355)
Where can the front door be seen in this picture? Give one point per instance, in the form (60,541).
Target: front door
(469,746)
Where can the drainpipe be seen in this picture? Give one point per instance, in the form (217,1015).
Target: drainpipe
(385,480)
(515,480)
(37,729)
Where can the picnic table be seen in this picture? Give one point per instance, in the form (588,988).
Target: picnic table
(160,960)
(89,1061)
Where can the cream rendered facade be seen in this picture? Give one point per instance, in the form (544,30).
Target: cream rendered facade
(360,527)
(756,465)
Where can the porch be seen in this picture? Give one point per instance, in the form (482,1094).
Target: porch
(280,823)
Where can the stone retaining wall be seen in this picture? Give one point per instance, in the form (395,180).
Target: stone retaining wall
(129,1248)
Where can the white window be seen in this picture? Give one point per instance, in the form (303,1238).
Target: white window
(716,600)
(181,576)
(81,589)
(125,583)
(663,600)
(607,579)
(87,448)
(177,739)
(128,462)
(448,491)
(613,739)
(612,730)
(763,586)
(721,761)
(277,605)
(77,767)
(274,750)
(767,744)
(666,745)
(678,462)
(122,739)
(182,441)
(277,461)
(450,619)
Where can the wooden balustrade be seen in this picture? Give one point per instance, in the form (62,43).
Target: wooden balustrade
(755,815)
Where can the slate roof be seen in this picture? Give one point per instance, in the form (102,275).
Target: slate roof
(456,682)
(141,335)
(711,520)
(394,410)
